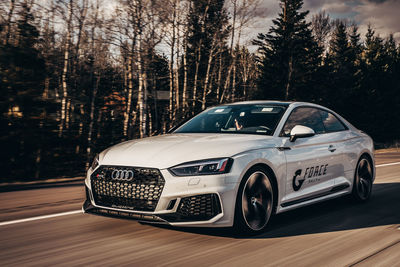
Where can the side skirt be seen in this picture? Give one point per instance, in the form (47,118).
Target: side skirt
(335,189)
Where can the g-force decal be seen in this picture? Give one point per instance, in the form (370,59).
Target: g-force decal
(311,174)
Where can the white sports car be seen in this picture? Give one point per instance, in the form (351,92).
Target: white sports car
(234,165)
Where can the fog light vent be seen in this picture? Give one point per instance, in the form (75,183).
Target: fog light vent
(171,204)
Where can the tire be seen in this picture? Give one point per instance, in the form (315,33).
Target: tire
(363,180)
(255,202)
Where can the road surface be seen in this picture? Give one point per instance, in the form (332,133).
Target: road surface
(335,233)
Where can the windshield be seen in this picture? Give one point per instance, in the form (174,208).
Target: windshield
(244,119)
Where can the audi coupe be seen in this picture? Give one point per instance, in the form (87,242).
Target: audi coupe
(234,165)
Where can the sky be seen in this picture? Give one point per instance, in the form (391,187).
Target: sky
(383,15)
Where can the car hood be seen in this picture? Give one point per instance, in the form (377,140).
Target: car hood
(172,149)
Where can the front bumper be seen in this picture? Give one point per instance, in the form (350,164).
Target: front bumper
(185,201)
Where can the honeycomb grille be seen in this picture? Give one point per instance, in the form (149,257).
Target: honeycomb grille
(199,208)
(140,192)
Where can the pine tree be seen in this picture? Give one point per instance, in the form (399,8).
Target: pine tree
(22,73)
(340,62)
(355,97)
(22,66)
(373,86)
(355,45)
(389,91)
(289,56)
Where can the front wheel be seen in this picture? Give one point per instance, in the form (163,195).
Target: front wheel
(255,201)
(363,180)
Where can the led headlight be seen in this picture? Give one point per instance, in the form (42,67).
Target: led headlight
(95,162)
(203,167)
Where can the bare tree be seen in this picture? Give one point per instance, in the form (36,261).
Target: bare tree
(322,27)
(185,27)
(243,13)
(64,99)
(95,78)
(172,56)
(198,56)
(127,32)
(9,21)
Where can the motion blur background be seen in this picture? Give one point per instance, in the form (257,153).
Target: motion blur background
(77,76)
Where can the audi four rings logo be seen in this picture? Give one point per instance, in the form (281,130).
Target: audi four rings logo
(122,175)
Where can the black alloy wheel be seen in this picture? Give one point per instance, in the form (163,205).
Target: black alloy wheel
(363,180)
(255,201)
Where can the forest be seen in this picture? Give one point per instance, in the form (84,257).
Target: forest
(77,76)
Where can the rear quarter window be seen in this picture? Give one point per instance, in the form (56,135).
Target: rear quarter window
(331,122)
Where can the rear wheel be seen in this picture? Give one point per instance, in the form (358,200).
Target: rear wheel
(363,180)
(255,201)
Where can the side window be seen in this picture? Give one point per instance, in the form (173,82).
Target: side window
(331,123)
(309,117)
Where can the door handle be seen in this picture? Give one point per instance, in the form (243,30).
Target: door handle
(332,148)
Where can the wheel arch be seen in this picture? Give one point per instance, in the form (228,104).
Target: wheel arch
(371,161)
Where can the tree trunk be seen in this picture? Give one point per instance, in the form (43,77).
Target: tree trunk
(219,76)
(206,82)
(45,94)
(185,105)
(185,81)
(91,123)
(141,91)
(95,84)
(64,88)
(198,59)
(290,73)
(196,75)
(150,124)
(234,80)
(64,100)
(234,60)
(234,2)
(176,77)
(37,162)
(68,113)
(8,24)
(171,66)
(227,83)
(99,118)
(130,94)
(81,24)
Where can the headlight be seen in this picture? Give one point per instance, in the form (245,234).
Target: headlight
(95,162)
(204,167)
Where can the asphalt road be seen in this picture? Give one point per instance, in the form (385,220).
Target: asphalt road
(335,233)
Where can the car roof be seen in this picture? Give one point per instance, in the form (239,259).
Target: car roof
(292,104)
(279,103)
(273,102)
(286,104)
(261,102)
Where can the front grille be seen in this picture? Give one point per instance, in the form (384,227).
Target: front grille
(141,193)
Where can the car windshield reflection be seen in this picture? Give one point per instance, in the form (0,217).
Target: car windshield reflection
(238,119)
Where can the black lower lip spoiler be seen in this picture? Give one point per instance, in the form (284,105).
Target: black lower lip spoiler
(90,209)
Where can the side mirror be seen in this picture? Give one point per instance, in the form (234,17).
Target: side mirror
(300,131)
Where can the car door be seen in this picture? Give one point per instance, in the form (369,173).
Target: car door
(337,133)
(312,163)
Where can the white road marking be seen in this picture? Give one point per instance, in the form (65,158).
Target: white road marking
(41,217)
(80,211)
(388,164)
